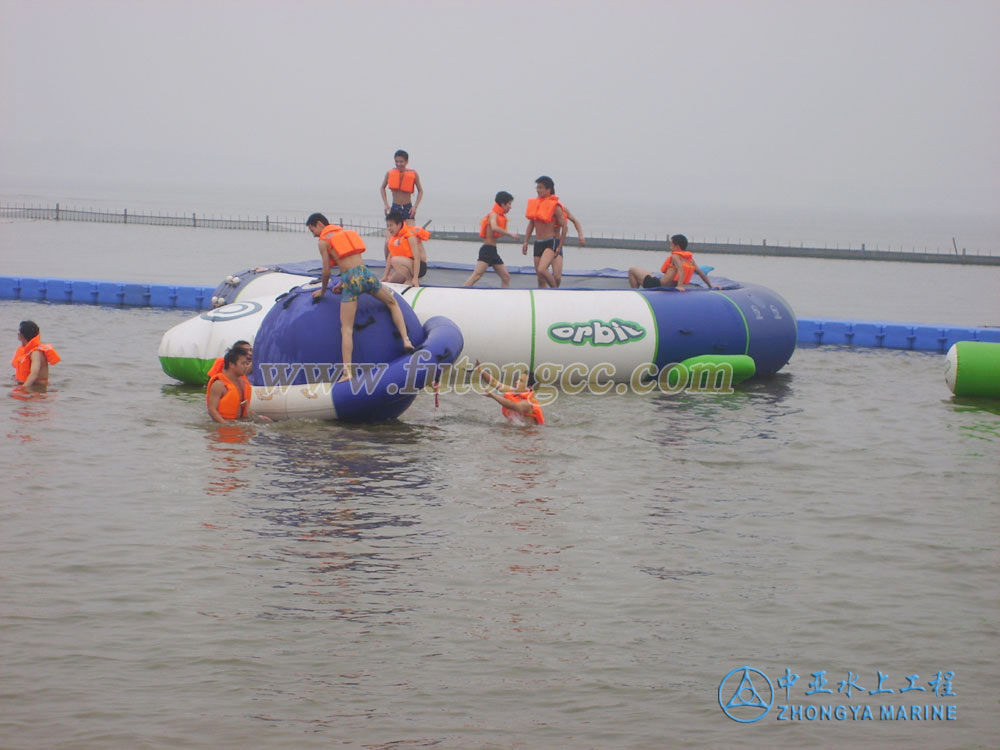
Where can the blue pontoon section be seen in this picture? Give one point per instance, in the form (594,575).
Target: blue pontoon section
(738,319)
(114,293)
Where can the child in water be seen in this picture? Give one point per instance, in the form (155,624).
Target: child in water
(518,404)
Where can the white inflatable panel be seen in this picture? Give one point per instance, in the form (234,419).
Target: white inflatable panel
(310,401)
(501,333)
(599,326)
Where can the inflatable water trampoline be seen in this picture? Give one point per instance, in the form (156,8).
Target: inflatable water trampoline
(617,332)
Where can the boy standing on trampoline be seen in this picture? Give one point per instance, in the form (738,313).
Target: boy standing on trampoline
(491,228)
(402,182)
(344,247)
(547,221)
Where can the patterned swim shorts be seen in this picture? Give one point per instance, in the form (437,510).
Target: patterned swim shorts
(356,281)
(404,208)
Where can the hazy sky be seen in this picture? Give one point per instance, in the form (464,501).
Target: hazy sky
(886,105)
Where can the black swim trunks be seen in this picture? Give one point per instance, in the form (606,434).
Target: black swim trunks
(423,268)
(488,254)
(541,247)
(650,282)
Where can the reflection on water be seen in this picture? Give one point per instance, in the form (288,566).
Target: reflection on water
(754,410)
(226,443)
(338,509)
(980,405)
(34,411)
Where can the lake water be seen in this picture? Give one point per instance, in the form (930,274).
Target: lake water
(449,580)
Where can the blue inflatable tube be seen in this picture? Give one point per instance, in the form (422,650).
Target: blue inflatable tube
(298,370)
(402,378)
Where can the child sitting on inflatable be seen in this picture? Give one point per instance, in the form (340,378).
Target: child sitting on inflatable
(32,359)
(677,269)
(518,404)
(405,256)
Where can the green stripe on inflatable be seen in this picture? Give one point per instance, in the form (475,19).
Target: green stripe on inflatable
(187,369)
(416,296)
(742,317)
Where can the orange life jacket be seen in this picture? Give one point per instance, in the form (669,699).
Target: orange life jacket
(217,366)
(687,264)
(422,234)
(403,181)
(233,404)
(343,242)
(501,220)
(22,357)
(529,396)
(399,243)
(542,209)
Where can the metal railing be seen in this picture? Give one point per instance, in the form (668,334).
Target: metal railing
(621,241)
(267,224)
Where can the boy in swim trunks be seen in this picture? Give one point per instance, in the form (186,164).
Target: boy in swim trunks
(345,248)
(557,263)
(677,269)
(547,220)
(492,227)
(402,182)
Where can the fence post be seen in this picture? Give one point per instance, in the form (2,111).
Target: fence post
(267,223)
(125,215)
(194,220)
(57,212)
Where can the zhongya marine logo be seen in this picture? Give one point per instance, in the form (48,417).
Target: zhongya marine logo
(746,695)
(597,332)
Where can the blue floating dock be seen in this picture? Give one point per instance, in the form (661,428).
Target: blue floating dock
(811,331)
(885,335)
(113,293)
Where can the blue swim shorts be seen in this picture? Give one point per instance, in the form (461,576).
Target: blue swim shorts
(356,281)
